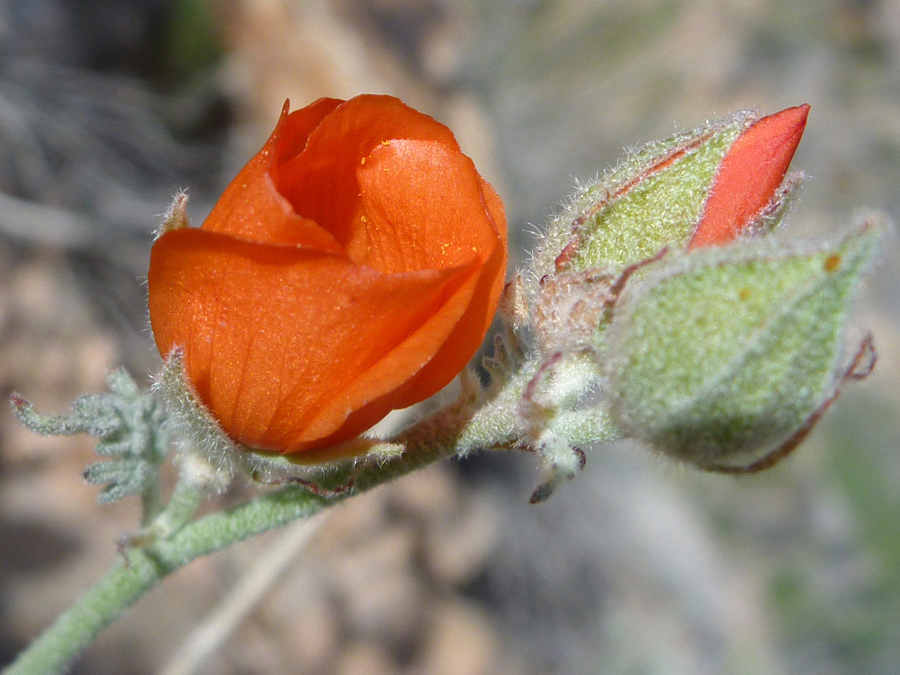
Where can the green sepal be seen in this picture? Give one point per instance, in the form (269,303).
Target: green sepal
(652,199)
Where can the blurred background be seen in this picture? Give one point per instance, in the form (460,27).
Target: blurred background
(108,107)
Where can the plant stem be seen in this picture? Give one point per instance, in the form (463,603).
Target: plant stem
(222,620)
(144,567)
(458,428)
(129,579)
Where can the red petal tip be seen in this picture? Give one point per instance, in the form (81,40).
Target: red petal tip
(749,176)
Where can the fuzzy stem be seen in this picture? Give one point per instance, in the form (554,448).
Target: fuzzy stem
(227,616)
(151,503)
(183,504)
(429,441)
(143,568)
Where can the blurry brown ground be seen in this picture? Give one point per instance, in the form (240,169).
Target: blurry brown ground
(636,567)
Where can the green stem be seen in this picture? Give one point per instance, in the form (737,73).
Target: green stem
(465,426)
(151,503)
(144,567)
(183,504)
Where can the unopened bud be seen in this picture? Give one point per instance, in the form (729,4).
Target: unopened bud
(704,187)
(726,357)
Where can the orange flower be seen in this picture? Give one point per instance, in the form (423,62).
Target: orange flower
(351,268)
(748,181)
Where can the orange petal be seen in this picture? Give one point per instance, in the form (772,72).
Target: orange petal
(750,174)
(425,208)
(429,208)
(252,209)
(469,332)
(321,182)
(295,129)
(377,391)
(275,336)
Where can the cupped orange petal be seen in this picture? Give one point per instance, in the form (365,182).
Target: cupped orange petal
(321,182)
(252,208)
(469,332)
(444,215)
(451,204)
(275,336)
(424,207)
(751,173)
(294,132)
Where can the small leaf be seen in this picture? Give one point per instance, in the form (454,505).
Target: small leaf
(129,426)
(124,478)
(57,425)
(123,385)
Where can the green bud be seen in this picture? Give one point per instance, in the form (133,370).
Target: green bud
(726,357)
(651,199)
(701,188)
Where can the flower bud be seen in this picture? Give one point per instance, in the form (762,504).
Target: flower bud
(726,357)
(695,189)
